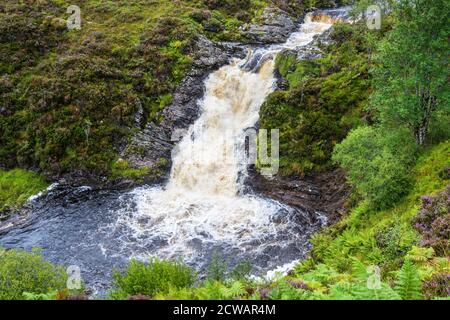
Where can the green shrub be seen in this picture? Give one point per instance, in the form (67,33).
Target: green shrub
(433,222)
(377,162)
(157,276)
(230,6)
(22,271)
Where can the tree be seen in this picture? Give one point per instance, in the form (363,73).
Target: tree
(377,162)
(411,66)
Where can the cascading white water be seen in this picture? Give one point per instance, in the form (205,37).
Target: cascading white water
(202,209)
(202,204)
(211,156)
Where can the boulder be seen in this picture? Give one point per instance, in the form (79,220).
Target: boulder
(275,26)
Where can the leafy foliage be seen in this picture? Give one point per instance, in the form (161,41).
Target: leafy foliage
(324,99)
(22,272)
(149,279)
(377,162)
(411,70)
(409,284)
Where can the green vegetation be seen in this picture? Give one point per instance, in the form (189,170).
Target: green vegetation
(121,169)
(380,157)
(69,98)
(386,237)
(411,69)
(72,101)
(412,260)
(375,103)
(325,98)
(16,186)
(377,162)
(370,254)
(23,272)
(148,279)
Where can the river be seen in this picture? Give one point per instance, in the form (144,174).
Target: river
(203,209)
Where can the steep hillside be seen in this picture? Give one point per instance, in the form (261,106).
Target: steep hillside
(70,100)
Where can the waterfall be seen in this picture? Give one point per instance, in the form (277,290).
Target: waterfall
(202,204)
(203,208)
(211,156)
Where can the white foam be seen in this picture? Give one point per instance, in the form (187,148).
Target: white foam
(202,200)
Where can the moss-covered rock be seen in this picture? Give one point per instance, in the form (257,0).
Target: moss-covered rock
(324,98)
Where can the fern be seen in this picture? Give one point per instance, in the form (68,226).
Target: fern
(40,296)
(385,292)
(235,290)
(409,284)
(420,254)
(359,270)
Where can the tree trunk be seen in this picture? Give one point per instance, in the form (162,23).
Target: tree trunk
(428,105)
(421,130)
(420,134)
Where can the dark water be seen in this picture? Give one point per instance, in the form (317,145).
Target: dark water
(79,227)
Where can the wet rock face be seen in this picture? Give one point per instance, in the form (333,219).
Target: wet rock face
(151,146)
(321,196)
(275,27)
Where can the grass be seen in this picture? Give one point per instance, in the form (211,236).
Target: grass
(17,185)
(341,263)
(122,169)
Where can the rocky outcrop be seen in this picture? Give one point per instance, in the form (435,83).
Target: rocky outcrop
(321,194)
(314,49)
(151,147)
(275,26)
